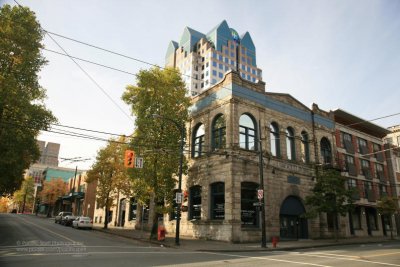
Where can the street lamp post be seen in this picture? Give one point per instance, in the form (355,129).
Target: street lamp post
(178,208)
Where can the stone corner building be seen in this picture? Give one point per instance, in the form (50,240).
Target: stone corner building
(232,119)
(227,122)
(231,115)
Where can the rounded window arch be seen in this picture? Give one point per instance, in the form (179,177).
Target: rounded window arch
(274,137)
(305,147)
(218,132)
(290,146)
(198,140)
(326,151)
(247,132)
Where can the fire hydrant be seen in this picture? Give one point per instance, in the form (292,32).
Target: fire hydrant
(161,233)
(274,241)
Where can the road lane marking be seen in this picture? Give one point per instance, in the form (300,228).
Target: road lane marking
(60,235)
(98,252)
(383,254)
(349,259)
(333,254)
(268,259)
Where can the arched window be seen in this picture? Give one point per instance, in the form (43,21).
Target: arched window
(247,132)
(274,136)
(198,141)
(290,152)
(305,148)
(249,215)
(218,201)
(195,202)
(219,132)
(326,151)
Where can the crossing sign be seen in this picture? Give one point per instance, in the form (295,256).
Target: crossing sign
(139,163)
(179,197)
(260,194)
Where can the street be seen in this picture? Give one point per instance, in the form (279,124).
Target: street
(27,240)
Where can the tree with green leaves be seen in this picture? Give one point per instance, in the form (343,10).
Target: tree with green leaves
(22,111)
(110,174)
(24,196)
(387,206)
(330,196)
(157,138)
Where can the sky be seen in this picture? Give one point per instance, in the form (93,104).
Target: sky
(338,54)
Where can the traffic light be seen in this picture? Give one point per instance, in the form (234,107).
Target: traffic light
(129,161)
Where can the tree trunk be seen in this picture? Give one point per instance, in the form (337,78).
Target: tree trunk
(335,227)
(391,226)
(116,221)
(106,216)
(154,228)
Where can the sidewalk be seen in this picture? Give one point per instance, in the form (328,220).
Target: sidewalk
(188,243)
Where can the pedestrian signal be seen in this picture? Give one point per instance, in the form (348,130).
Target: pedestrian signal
(129,161)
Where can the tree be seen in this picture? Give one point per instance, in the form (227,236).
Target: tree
(24,196)
(22,112)
(330,196)
(111,175)
(157,140)
(51,191)
(387,207)
(4,204)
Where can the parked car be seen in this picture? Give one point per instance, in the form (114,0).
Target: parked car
(82,222)
(59,218)
(68,219)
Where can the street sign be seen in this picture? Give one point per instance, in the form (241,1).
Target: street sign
(260,194)
(179,197)
(139,163)
(257,204)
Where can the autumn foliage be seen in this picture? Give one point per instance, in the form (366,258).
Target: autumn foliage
(53,189)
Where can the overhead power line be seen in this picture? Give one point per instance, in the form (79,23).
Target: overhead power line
(154,65)
(91,62)
(49,33)
(84,71)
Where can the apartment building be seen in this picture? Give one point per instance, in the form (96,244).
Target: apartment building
(203,59)
(361,156)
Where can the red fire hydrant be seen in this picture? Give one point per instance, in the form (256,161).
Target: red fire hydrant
(161,233)
(275,240)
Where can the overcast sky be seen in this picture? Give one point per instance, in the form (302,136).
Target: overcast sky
(338,54)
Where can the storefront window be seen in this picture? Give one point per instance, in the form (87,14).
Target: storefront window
(218,201)
(195,203)
(249,215)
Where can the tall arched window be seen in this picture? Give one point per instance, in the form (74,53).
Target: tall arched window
(274,136)
(305,148)
(219,132)
(247,132)
(198,141)
(326,151)
(290,151)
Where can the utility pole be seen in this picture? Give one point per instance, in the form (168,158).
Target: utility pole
(262,200)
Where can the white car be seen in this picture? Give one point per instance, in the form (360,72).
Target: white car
(82,222)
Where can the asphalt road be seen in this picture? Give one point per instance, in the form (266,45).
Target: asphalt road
(30,241)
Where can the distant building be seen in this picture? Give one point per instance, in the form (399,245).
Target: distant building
(393,138)
(48,153)
(203,59)
(48,158)
(59,172)
(80,198)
